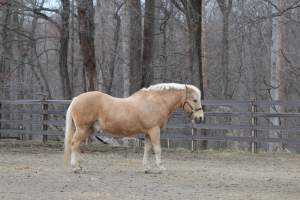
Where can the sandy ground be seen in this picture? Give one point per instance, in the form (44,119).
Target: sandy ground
(36,172)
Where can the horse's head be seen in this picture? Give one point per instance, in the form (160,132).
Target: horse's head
(192,103)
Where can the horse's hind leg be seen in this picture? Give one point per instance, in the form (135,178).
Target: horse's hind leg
(80,135)
(154,134)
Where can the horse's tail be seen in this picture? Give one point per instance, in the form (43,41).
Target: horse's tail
(68,135)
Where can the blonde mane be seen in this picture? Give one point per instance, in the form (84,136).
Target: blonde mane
(171,86)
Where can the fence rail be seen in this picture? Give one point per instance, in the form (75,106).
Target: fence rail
(50,120)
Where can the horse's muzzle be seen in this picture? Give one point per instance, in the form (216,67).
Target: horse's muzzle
(198,120)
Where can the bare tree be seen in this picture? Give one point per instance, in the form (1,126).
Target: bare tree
(193,14)
(85,9)
(225,7)
(135,45)
(116,42)
(148,42)
(64,49)
(204,52)
(277,92)
(197,18)
(34,61)
(6,44)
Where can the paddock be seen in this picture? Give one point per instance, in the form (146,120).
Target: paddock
(35,171)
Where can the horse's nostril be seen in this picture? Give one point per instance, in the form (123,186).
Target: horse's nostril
(198,120)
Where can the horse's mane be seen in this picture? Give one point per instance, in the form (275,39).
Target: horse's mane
(170,86)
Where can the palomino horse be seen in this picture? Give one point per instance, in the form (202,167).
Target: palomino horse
(146,111)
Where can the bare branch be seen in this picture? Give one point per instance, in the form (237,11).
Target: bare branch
(178,6)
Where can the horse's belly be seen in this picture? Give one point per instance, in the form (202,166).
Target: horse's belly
(126,123)
(122,129)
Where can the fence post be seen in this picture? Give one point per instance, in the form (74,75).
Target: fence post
(0,118)
(44,120)
(193,133)
(253,124)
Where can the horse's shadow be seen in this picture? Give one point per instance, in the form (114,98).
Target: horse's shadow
(95,173)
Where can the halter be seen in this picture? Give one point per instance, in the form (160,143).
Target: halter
(188,103)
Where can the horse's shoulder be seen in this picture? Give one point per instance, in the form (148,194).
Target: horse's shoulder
(139,93)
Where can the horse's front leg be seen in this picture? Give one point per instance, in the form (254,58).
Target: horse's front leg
(154,134)
(147,149)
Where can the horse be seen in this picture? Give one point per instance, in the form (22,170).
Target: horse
(146,111)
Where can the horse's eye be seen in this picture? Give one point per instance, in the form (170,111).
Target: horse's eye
(195,100)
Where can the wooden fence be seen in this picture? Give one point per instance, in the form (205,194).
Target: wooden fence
(46,118)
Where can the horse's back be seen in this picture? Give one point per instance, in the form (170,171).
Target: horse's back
(88,96)
(137,113)
(97,107)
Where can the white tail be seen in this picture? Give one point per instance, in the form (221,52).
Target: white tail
(68,136)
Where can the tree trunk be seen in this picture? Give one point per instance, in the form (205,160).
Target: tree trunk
(245,76)
(86,14)
(64,48)
(116,40)
(197,4)
(204,53)
(135,45)
(194,22)
(7,53)
(148,46)
(168,46)
(7,41)
(198,42)
(72,46)
(277,92)
(36,67)
(225,56)
(189,10)
(225,7)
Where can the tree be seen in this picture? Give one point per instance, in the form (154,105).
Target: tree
(197,5)
(225,7)
(64,49)
(135,45)
(277,89)
(85,9)
(204,52)
(6,44)
(108,72)
(36,66)
(148,42)
(197,35)
(34,59)
(193,14)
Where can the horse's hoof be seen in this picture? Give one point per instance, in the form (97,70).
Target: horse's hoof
(162,168)
(147,170)
(77,169)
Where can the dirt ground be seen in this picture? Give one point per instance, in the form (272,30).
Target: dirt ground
(36,172)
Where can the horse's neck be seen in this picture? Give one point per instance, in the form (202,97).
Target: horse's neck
(173,100)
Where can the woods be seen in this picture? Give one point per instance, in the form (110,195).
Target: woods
(120,46)
(230,49)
